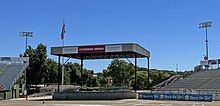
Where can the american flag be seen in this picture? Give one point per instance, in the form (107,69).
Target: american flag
(63,31)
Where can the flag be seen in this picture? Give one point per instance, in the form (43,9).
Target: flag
(63,31)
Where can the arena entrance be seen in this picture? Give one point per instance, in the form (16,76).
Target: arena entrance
(107,51)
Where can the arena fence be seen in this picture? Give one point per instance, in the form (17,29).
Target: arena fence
(176,96)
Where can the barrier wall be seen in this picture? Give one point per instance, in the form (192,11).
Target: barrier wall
(94,95)
(175,96)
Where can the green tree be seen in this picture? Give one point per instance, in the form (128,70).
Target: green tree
(141,80)
(66,77)
(102,79)
(52,72)
(74,72)
(120,72)
(37,68)
(42,70)
(75,75)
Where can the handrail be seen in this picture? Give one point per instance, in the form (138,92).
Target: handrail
(4,67)
(166,82)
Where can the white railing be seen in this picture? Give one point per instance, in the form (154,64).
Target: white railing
(166,82)
(4,67)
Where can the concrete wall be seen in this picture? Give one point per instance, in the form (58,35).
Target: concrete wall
(9,94)
(94,95)
(216,97)
(2,96)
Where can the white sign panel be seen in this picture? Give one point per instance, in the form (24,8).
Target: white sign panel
(113,48)
(70,50)
(204,62)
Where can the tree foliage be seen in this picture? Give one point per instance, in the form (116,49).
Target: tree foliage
(37,68)
(74,70)
(120,72)
(43,70)
(52,72)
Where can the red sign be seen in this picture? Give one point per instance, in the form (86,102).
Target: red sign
(91,49)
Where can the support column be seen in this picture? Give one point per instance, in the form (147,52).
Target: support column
(217,63)
(59,69)
(148,71)
(4,96)
(81,69)
(135,74)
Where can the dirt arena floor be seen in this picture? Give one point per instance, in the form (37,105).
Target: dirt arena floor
(125,102)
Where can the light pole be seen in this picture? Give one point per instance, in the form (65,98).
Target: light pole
(26,35)
(206,25)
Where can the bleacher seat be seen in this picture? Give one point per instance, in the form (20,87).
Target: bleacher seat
(206,79)
(10,73)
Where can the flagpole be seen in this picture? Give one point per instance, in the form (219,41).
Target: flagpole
(63,64)
(62,70)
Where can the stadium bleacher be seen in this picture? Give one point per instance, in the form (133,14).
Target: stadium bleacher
(205,79)
(12,76)
(10,73)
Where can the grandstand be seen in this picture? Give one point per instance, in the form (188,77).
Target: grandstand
(203,81)
(200,80)
(12,71)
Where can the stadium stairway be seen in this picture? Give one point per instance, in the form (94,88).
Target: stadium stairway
(166,82)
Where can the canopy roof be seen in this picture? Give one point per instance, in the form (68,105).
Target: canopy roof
(103,51)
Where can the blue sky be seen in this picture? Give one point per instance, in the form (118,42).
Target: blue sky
(167,28)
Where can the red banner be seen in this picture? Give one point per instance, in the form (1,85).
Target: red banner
(91,49)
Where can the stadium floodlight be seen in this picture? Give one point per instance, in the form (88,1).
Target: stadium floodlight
(206,25)
(26,35)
